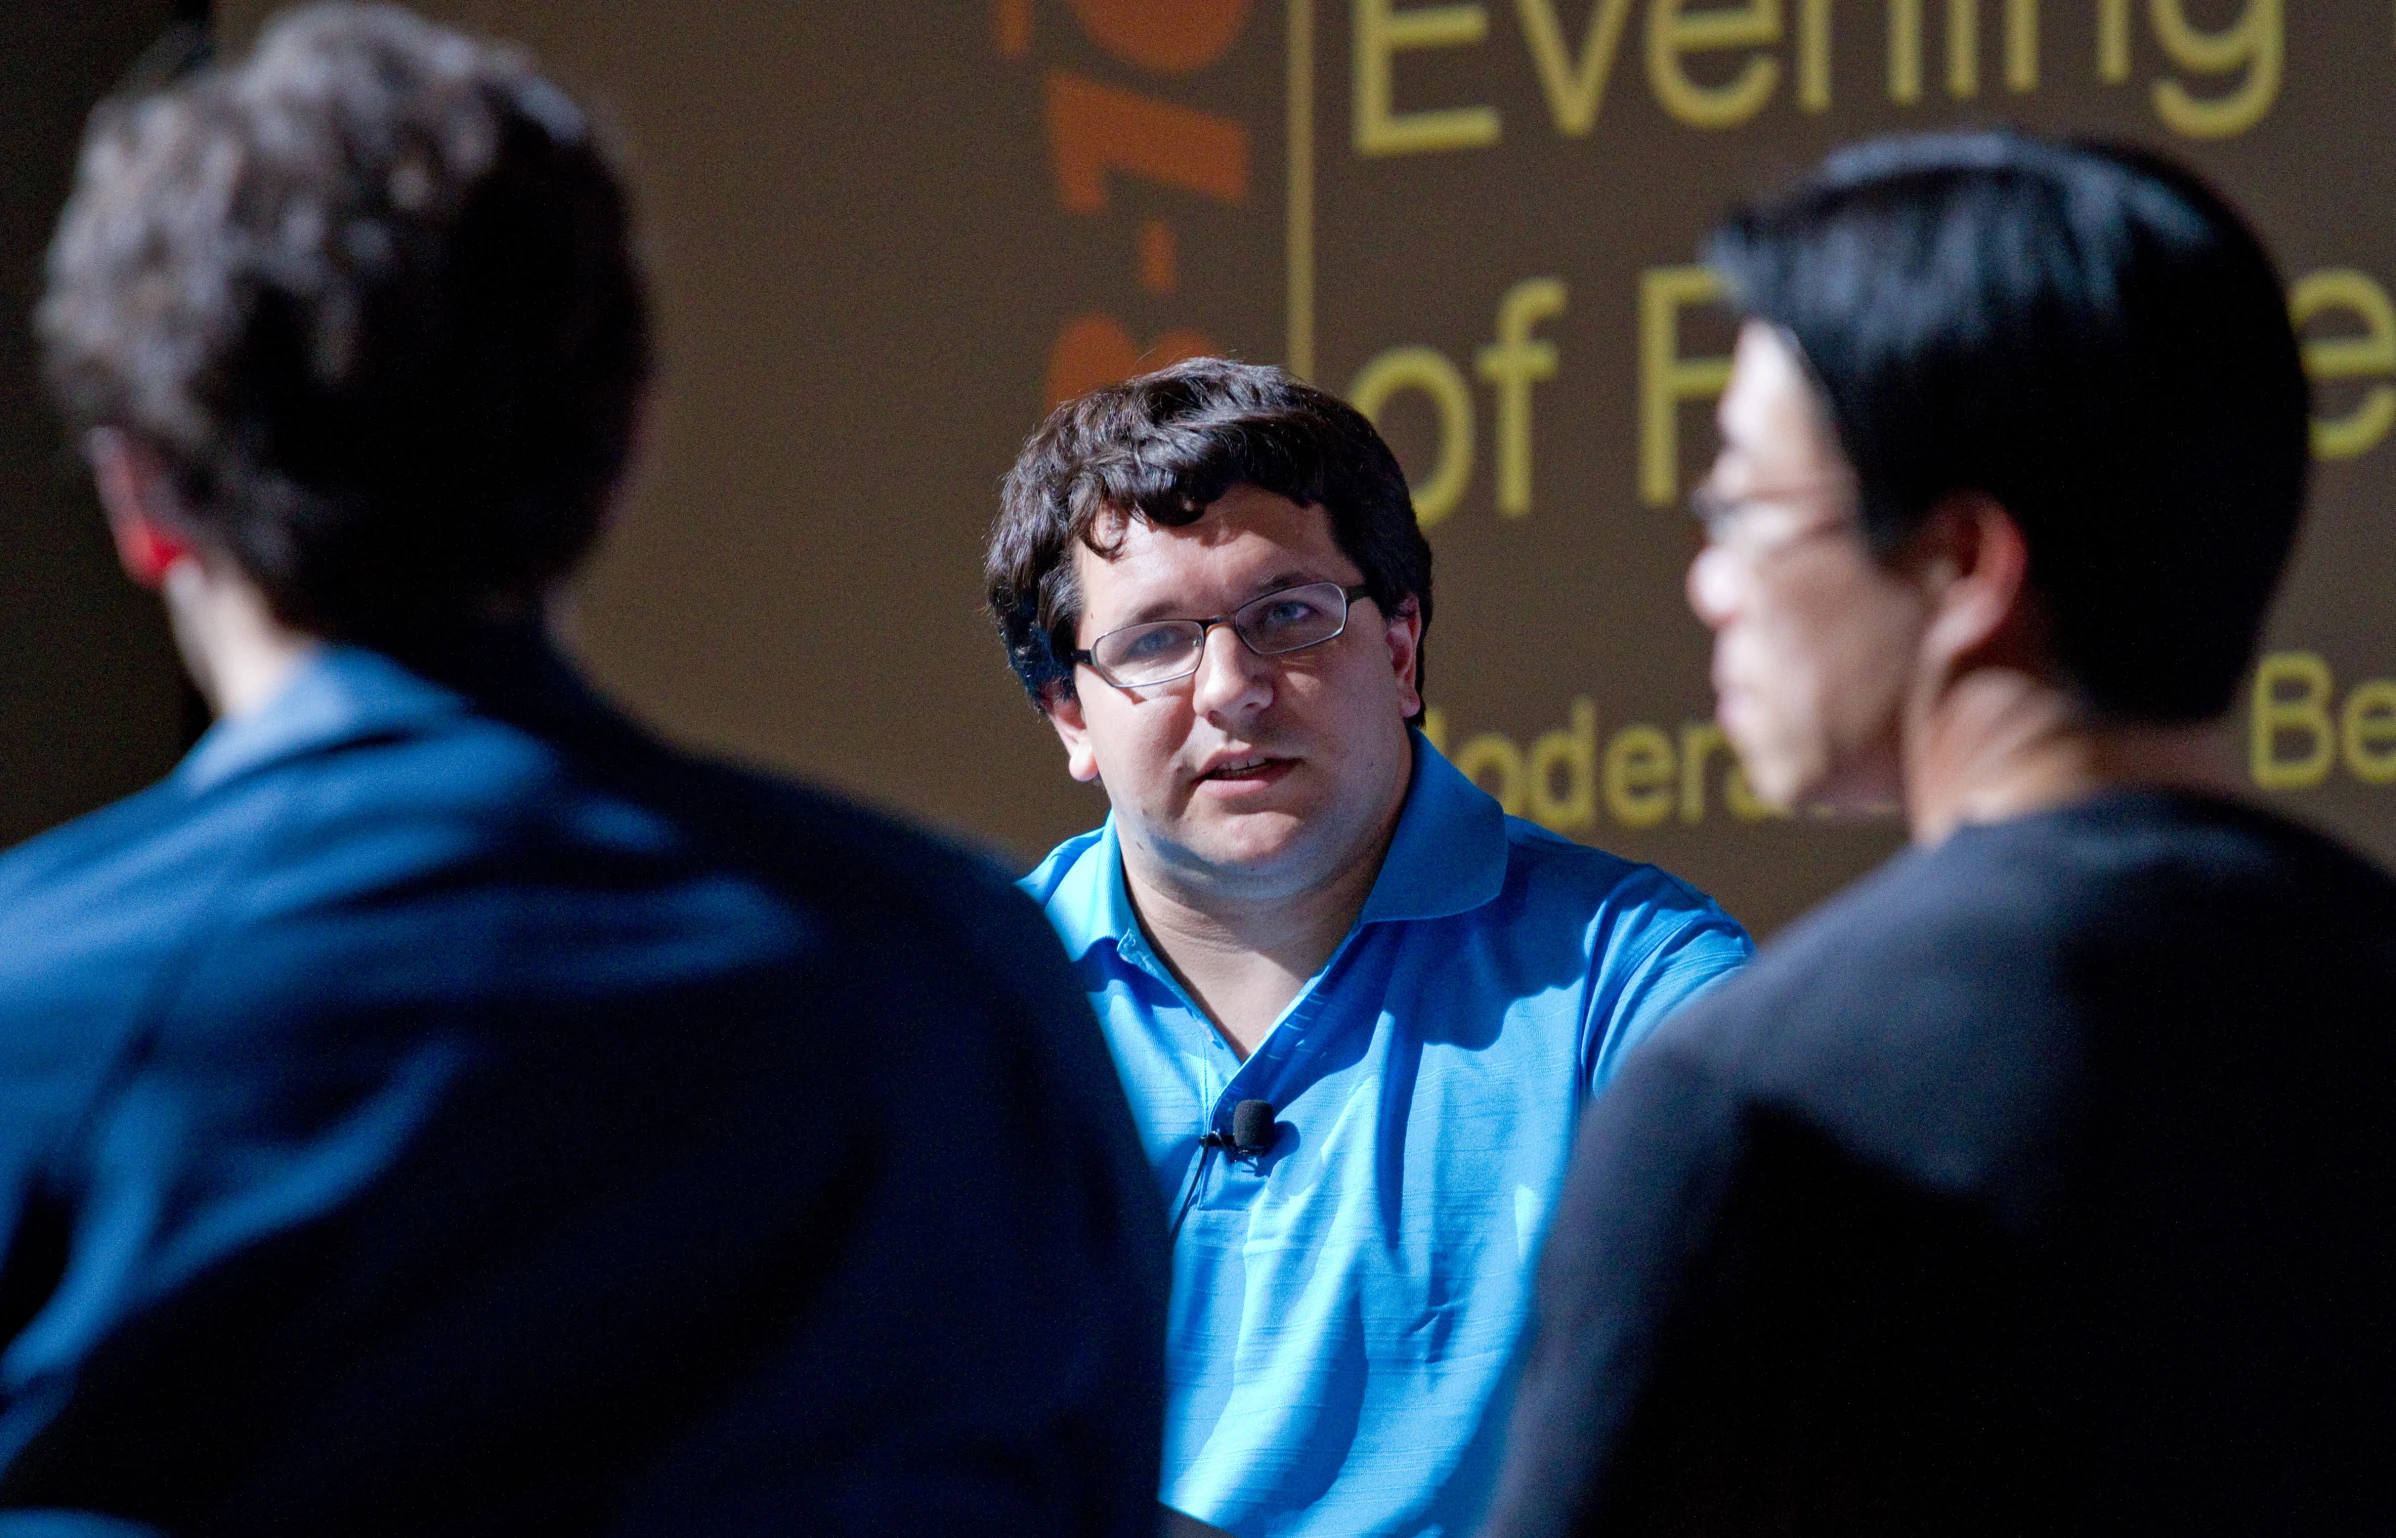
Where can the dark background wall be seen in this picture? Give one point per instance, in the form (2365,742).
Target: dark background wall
(883,235)
(92,704)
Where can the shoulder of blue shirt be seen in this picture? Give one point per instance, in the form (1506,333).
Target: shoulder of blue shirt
(1557,874)
(369,781)
(297,768)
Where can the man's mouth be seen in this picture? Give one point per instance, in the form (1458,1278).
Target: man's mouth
(1246,766)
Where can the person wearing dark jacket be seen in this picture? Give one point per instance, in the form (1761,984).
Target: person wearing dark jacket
(2040,1183)
(439,1107)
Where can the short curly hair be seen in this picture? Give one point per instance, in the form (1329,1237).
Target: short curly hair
(372,296)
(1164,447)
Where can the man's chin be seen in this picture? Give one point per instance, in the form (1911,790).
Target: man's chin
(1247,849)
(1251,842)
(1846,791)
(1782,782)
(1776,779)
(1774,786)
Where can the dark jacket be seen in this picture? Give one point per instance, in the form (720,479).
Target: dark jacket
(439,1108)
(2040,1184)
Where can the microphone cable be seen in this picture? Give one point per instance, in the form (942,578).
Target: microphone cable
(1251,1137)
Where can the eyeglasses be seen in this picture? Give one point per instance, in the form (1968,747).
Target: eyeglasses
(1287,620)
(1729,523)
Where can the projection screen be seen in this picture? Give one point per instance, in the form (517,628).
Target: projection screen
(885,237)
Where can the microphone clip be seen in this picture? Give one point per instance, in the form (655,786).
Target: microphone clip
(1252,1131)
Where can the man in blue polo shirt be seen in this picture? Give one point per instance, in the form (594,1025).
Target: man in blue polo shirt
(1357,1007)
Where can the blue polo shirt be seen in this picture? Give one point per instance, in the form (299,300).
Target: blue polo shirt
(1345,1307)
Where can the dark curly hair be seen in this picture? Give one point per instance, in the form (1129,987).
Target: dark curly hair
(372,296)
(1162,448)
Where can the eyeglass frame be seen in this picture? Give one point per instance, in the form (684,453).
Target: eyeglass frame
(1715,512)
(1086,656)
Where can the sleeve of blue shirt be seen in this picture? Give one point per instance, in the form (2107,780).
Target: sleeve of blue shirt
(1667,944)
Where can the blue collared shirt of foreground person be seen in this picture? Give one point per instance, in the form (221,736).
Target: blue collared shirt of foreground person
(437,1064)
(439,1106)
(1346,1306)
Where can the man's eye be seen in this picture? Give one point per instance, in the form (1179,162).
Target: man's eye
(1290,611)
(1153,643)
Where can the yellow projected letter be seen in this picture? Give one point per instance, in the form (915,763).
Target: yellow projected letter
(1639,776)
(1428,370)
(2021,45)
(1494,753)
(1700,742)
(1573,750)
(1905,50)
(2292,698)
(1381,32)
(1673,34)
(2256,43)
(2113,41)
(2368,356)
(2370,722)
(1963,48)
(1513,363)
(1813,55)
(1575,91)
(1666,379)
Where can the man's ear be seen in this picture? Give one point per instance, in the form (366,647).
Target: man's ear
(1064,712)
(1974,563)
(136,491)
(1404,635)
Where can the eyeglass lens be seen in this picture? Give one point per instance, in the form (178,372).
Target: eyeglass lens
(1764,522)
(1287,621)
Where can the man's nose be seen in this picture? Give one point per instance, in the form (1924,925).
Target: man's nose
(1230,678)
(1713,587)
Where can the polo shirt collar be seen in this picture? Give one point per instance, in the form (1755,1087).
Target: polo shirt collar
(1449,853)
(1091,904)
(338,694)
(1448,856)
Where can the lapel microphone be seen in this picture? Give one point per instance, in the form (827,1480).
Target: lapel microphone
(1251,1136)
(1251,1130)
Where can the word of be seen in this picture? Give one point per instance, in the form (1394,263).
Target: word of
(1511,365)
(1642,776)
(2295,740)
(2249,55)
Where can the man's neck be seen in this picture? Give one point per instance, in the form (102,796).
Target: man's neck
(1244,958)
(236,650)
(2000,744)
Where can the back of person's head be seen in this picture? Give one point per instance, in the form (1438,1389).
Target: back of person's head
(2088,335)
(371,297)
(1164,447)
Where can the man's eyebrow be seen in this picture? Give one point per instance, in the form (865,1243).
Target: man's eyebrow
(1154,609)
(1169,608)
(1290,578)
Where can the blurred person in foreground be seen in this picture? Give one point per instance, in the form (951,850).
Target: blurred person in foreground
(437,1107)
(1211,582)
(2041,1182)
